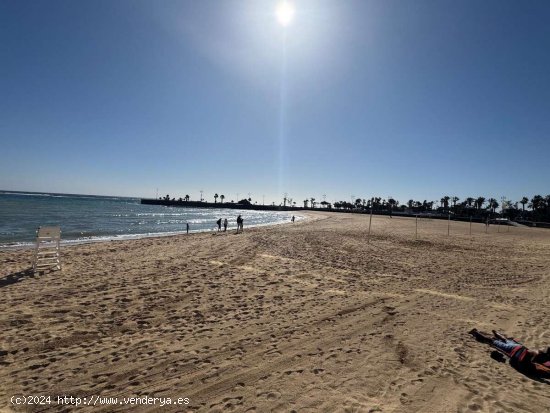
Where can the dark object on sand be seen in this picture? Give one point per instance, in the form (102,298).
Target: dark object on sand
(529,362)
(498,356)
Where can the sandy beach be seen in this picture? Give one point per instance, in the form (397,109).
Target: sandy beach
(304,317)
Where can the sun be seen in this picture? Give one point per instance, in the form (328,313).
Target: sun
(285,13)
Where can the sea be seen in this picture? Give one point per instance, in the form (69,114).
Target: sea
(90,218)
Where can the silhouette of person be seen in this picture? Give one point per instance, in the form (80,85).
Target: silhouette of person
(187,227)
(292,218)
(225,225)
(239,223)
(219,222)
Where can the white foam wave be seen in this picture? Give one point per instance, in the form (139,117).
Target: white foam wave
(123,237)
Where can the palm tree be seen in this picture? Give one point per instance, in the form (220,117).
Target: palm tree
(410,203)
(523,201)
(469,201)
(445,202)
(216,198)
(492,204)
(479,202)
(222,197)
(186,197)
(305,203)
(312,202)
(537,202)
(455,200)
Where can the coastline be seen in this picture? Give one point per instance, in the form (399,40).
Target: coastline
(243,321)
(128,237)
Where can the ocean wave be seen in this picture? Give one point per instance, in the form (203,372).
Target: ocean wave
(123,237)
(91,216)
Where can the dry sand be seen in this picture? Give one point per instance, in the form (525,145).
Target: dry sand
(304,317)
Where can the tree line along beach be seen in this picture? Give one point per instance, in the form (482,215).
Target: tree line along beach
(534,211)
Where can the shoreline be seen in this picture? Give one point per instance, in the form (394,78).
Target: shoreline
(130,237)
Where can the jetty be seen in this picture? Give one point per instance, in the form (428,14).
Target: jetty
(228,205)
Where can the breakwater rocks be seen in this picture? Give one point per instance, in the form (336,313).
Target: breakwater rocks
(230,205)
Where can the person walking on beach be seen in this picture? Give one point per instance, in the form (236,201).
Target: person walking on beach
(292,218)
(219,222)
(225,225)
(187,228)
(239,223)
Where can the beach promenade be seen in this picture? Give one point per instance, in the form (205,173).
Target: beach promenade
(303,317)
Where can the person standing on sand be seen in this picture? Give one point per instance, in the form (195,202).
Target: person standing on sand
(292,218)
(187,228)
(239,223)
(225,225)
(219,222)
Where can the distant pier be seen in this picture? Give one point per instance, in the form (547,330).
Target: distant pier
(228,205)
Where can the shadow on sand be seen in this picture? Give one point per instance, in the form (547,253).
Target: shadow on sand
(16,277)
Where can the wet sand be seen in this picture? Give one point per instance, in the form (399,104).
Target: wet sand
(305,317)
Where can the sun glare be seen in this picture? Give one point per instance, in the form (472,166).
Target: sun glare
(285,13)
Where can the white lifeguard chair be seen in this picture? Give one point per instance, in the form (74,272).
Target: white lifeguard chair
(46,253)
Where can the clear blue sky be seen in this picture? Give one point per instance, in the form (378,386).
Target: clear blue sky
(414,99)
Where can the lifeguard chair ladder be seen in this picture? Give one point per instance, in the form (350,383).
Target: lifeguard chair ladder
(46,253)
